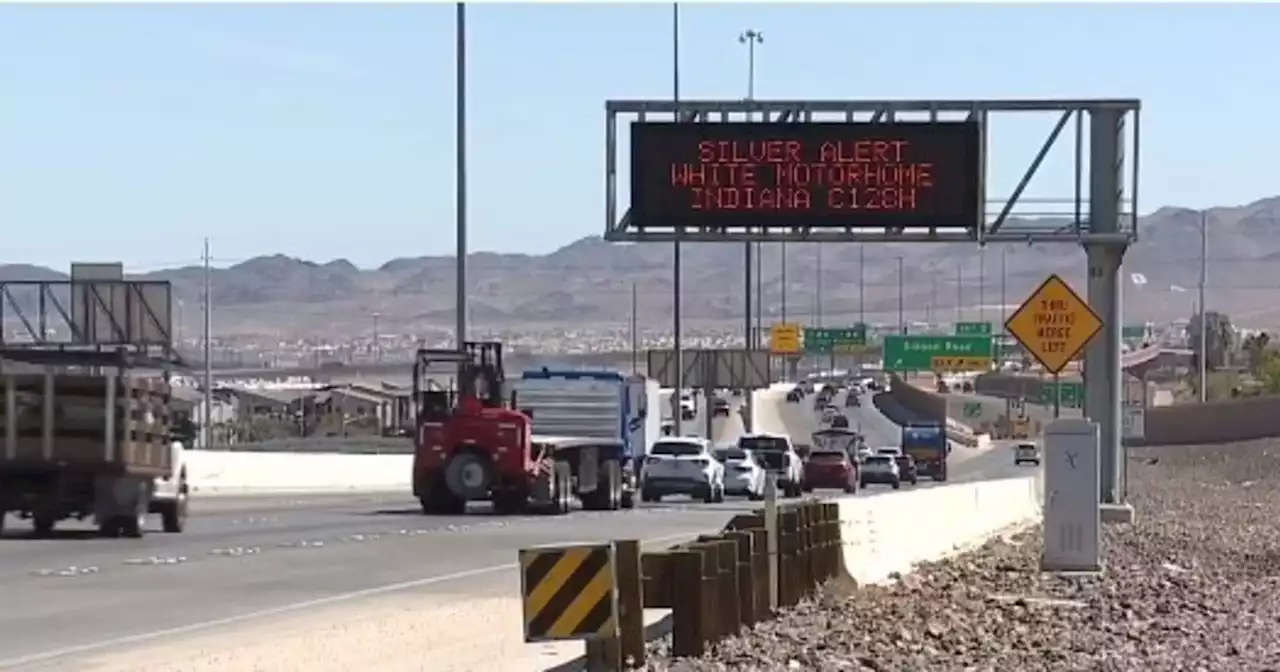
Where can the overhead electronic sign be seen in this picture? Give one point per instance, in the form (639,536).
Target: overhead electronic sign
(817,175)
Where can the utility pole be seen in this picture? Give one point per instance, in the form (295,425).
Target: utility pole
(1203,358)
(377,341)
(933,297)
(982,284)
(862,283)
(207,402)
(1004,287)
(817,291)
(635,330)
(902,314)
(460,178)
(959,294)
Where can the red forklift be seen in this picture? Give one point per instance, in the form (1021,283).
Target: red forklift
(472,444)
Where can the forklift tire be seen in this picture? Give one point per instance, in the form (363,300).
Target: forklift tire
(468,476)
(173,513)
(629,499)
(133,527)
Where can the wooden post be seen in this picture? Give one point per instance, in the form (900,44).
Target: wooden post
(746,583)
(630,602)
(688,629)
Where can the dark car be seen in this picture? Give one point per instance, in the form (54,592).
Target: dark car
(720,407)
(840,422)
(907,469)
(830,469)
(794,396)
(851,400)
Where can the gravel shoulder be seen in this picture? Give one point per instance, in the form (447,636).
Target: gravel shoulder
(1193,584)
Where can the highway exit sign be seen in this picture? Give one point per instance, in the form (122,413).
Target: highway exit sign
(918,353)
(835,339)
(973,328)
(1054,324)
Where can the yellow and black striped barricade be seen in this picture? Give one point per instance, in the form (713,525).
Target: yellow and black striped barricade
(569,592)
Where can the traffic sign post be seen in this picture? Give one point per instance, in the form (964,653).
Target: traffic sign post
(784,339)
(827,340)
(973,329)
(923,353)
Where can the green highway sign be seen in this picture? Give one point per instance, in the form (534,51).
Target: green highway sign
(1133,333)
(1072,393)
(973,328)
(838,339)
(917,353)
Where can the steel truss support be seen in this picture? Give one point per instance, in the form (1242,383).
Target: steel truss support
(1005,221)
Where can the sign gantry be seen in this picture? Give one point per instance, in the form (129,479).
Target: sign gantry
(843,171)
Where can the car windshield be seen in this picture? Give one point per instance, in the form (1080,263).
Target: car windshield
(879,459)
(675,448)
(826,457)
(726,454)
(765,443)
(1026,446)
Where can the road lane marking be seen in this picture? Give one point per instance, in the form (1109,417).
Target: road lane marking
(129,640)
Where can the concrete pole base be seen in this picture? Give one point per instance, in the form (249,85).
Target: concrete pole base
(1116,514)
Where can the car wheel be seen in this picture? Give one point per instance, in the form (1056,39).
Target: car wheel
(897,485)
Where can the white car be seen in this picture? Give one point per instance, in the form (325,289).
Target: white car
(686,406)
(743,475)
(682,466)
(890,451)
(882,469)
(1026,453)
(777,455)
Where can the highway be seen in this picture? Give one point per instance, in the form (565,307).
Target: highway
(299,567)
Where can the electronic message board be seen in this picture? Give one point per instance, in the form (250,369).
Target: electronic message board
(818,175)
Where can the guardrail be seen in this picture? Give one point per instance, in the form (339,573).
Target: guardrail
(714,586)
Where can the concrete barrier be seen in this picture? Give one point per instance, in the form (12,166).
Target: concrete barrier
(354,445)
(223,472)
(884,535)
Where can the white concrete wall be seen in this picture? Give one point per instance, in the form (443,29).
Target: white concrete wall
(892,533)
(223,472)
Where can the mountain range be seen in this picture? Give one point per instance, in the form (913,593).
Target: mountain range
(590,282)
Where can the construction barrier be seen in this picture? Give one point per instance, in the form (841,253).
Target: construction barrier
(714,586)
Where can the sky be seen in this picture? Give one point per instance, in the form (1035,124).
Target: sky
(132,132)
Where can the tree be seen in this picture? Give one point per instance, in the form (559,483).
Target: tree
(1219,339)
(1255,348)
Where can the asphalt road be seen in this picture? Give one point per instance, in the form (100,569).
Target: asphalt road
(255,557)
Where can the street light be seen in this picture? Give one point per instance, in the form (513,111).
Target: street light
(751,38)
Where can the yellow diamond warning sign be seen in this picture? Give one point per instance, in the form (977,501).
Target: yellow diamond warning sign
(1054,324)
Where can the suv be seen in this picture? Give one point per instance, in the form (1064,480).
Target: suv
(778,456)
(1026,452)
(830,469)
(682,466)
(882,469)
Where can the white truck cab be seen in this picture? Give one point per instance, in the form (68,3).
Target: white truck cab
(172,493)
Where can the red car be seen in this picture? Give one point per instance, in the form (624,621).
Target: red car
(830,469)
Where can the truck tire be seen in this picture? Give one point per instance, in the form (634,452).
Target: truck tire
(562,489)
(133,527)
(608,493)
(469,476)
(43,524)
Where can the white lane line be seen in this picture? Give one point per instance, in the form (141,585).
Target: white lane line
(128,640)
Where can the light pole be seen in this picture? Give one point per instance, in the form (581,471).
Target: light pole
(460,168)
(677,274)
(817,287)
(377,339)
(751,38)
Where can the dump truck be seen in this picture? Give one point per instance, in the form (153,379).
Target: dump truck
(927,443)
(87,441)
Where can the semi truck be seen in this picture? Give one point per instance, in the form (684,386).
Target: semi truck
(83,435)
(927,443)
(476,442)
